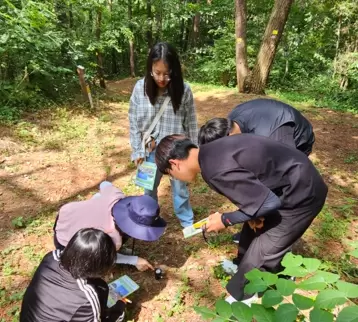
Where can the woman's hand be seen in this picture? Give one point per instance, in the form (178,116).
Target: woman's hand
(138,161)
(143,265)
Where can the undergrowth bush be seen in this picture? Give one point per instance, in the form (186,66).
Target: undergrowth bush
(319,297)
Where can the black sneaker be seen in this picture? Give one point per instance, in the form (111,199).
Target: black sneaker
(236,238)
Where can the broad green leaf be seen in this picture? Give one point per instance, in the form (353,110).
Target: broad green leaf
(220,319)
(285,287)
(223,308)
(271,298)
(255,286)
(291,260)
(328,277)
(205,312)
(254,274)
(4,38)
(242,312)
(317,315)
(311,264)
(269,278)
(286,312)
(348,314)
(354,253)
(328,299)
(295,271)
(302,302)
(313,283)
(262,314)
(350,290)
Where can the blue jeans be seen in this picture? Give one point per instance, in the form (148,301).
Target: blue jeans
(180,194)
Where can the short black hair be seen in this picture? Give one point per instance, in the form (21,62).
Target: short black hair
(174,146)
(167,53)
(89,253)
(215,129)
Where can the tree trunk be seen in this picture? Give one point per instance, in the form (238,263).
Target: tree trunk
(270,41)
(100,71)
(149,22)
(196,26)
(241,51)
(337,46)
(187,36)
(131,43)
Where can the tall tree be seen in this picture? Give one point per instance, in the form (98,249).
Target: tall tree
(270,41)
(100,70)
(131,41)
(149,24)
(241,51)
(196,25)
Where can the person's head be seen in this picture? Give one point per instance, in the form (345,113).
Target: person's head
(164,71)
(89,253)
(138,217)
(177,156)
(214,129)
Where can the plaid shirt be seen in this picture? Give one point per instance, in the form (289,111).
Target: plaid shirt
(142,113)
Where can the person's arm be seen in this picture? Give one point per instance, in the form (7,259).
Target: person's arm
(242,188)
(89,312)
(135,136)
(190,121)
(141,263)
(271,203)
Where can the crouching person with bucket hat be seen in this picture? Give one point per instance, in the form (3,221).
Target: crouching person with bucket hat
(119,216)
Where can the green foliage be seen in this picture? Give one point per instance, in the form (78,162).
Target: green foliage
(42,42)
(281,300)
(18,222)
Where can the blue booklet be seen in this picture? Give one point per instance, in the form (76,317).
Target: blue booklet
(121,287)
(145,176)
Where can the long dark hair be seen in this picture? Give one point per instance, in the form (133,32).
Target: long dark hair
(166,52)
(89,253)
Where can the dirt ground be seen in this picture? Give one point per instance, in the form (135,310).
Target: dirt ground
(62,154)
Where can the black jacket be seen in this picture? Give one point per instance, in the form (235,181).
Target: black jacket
(263,116)
(54,295)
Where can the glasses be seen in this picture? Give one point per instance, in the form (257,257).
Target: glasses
(157,76)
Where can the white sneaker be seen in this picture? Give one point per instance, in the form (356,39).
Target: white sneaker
(248,301)
(251,300)
(229,267)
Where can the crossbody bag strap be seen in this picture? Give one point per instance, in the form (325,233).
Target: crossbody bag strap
(155,121)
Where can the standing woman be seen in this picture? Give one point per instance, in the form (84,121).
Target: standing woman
(163,79)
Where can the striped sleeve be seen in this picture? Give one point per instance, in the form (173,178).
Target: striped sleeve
(92,298)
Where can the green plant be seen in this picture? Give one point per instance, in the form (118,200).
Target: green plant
(281,301)
(18,222)
(352,158)
(220,274)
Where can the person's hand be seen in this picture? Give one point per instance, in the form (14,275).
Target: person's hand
(256,223)
(143,265)
(138,161)
(215,223)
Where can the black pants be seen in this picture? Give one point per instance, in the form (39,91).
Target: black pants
(285,134)
(266,248)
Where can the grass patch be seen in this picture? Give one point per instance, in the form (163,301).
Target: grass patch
(351,158)
(330,227)
(219,273)
(199,87)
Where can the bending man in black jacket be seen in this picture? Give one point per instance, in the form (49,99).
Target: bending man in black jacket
(266,117)
(66,286)
(262,178)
